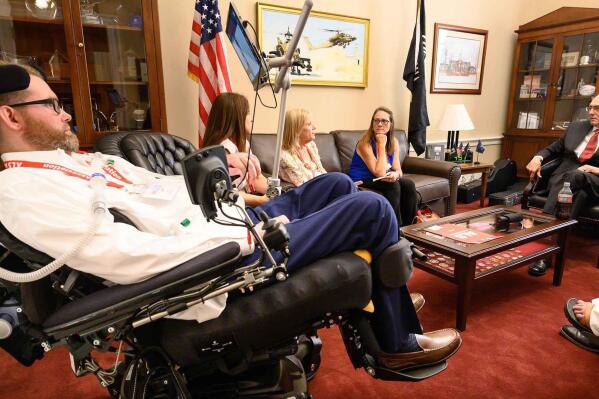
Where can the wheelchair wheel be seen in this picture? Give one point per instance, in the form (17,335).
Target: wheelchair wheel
(309,348)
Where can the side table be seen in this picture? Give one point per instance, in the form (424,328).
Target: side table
(484,168)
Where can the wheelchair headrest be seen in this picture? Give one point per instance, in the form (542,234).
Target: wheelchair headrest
(13,78)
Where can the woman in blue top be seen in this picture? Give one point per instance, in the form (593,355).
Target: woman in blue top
(376,164)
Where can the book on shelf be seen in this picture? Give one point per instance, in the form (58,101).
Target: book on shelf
(528,120)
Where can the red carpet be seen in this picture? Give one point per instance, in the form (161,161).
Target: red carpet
(512,347)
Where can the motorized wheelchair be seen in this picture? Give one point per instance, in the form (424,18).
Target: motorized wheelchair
(264,344)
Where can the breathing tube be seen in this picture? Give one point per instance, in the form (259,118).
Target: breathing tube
(99,210)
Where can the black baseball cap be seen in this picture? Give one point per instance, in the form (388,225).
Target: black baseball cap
(13,78)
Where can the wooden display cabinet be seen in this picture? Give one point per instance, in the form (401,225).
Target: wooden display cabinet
(101,57)
(555,75)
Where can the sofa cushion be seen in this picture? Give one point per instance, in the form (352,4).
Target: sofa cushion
(328,152)
(263,147)
(429,187)
(346,140)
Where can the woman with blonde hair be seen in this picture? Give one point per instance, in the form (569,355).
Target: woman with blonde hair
(300,160)
(375,164)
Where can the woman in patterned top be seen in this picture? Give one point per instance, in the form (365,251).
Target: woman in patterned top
(300,160)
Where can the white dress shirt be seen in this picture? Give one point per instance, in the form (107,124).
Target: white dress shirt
(51,211)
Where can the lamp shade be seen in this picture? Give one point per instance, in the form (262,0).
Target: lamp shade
(455,118)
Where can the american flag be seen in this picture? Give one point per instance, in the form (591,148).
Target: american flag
(207,62)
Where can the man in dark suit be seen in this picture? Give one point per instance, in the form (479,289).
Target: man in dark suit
(578,149)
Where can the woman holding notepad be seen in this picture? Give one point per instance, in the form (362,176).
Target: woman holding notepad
(375,166)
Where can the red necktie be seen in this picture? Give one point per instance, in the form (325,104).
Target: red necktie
(590,148)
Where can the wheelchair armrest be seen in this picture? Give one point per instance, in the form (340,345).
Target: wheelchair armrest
(110,305)
(394,266)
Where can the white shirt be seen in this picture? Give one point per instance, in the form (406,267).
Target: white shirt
(585,141)
(51,211)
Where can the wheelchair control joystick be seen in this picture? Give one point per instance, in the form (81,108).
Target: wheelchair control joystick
(277,238)
(275,234)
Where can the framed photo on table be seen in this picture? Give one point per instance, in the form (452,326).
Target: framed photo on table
(458,59)
(333,49)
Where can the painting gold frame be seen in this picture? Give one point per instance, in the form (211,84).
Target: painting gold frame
(458,59)
(333,50)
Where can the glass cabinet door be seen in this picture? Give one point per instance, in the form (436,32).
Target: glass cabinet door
(578,78)
(532,84)
(117,64)
(33,33)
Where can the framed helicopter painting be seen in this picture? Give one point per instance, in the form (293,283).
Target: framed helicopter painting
(333,49)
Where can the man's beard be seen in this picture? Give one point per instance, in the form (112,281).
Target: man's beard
(44,138)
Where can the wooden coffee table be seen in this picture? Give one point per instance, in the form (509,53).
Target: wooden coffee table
(536,237)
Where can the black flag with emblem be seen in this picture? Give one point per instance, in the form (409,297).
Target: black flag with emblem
(413,74)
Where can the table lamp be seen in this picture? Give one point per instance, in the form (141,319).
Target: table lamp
(455,118)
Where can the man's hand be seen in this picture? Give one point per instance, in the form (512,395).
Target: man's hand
(534,167)
(238,164)
(589,169)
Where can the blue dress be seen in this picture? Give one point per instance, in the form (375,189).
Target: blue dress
(401,194)
(358,169)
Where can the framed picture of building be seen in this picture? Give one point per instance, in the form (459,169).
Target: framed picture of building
(458,59)
(333,49)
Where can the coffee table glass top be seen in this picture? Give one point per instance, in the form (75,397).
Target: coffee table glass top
(475,230)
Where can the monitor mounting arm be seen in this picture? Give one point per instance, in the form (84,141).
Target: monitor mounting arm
(283,82)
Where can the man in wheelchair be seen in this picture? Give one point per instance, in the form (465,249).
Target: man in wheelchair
(166,284)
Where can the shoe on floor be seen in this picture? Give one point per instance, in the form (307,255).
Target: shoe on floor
(580,338)
(539,268)
(569,312)
(417,300)
(445,343)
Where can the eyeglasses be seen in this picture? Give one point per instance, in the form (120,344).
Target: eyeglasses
(592,108)
(383,122)
(48,101)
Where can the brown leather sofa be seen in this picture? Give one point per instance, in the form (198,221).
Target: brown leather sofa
(436,181)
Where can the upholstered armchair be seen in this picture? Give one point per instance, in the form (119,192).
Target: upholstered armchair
(159,152)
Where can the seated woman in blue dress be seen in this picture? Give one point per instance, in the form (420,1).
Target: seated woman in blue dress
(376,165)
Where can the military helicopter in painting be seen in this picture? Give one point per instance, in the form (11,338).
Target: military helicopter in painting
(299,62)
(340,39)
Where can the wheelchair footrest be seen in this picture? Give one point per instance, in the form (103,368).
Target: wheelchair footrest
(416,374)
